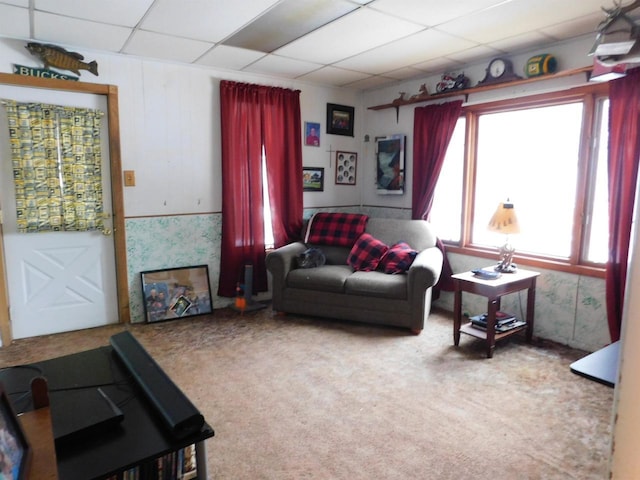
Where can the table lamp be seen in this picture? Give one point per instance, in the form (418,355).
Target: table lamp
(504,220)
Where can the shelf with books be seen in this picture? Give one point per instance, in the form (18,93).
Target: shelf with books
(176,465)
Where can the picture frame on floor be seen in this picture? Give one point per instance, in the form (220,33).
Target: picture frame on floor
(15,450)
(173,293)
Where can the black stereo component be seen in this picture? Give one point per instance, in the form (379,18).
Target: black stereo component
(176,410)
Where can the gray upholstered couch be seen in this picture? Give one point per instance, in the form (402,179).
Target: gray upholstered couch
(335,290)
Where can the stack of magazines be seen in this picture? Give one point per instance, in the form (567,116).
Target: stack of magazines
(504,322)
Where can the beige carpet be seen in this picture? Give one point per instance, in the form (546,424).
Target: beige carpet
(304,398)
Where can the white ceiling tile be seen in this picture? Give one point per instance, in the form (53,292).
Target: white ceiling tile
(515,17)
(333,76)
(281,66)
(575,27)
(99,36)
(17,3)
(208,20)
(468,56)
(233,58)
(287,21)
(432,12)
(371,82)
(155,45)
(405,73)
(386,58)
(439,65)
(349,35)
(115,12)
(521,42)
(14,21)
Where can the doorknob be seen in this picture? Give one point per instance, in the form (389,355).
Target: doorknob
(106,232)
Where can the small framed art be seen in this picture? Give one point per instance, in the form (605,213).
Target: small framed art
(340,119)
(312,134)
(176,293)
(390,162)
(346,168)
(15,449)
(312,179)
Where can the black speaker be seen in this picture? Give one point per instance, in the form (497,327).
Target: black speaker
(176,410)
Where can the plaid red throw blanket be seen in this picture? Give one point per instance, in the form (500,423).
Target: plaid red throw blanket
(341,229)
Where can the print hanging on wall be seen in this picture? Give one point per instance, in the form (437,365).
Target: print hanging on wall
(390,163)
(312,134)
(346,164)
(340,119)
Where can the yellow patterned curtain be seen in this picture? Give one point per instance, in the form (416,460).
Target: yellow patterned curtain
(57,167)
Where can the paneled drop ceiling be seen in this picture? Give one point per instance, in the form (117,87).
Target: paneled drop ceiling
(356,43)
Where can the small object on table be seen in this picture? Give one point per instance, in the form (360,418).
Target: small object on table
(486,274)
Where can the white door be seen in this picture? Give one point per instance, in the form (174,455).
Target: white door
(57,281)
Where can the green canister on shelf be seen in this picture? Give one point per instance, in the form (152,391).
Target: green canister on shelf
(540,65)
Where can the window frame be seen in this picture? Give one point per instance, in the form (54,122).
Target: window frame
(589,95)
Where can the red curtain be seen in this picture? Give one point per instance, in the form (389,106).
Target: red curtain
(253,117)
(624,153)
(433,127)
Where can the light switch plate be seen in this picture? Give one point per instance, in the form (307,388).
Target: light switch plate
(129,178)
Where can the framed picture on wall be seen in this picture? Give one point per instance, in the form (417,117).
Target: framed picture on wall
(390,175)
(340,119)
(346,168)
(312,179)
(312,134)
(176,293)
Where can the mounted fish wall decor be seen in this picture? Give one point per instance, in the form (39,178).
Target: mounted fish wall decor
(58,57)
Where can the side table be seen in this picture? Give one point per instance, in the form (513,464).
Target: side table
(493,290)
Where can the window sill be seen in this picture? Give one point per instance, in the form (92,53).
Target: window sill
(533,262)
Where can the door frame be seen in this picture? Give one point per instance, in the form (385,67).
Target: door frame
(115,166)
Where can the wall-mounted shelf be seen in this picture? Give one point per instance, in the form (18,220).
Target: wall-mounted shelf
(484,88)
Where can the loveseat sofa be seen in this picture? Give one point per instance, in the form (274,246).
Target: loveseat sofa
(364,293)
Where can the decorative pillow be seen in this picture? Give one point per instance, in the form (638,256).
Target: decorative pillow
(341,229)
(398,258)
(366,252)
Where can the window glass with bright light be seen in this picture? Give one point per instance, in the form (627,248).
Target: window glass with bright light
(531,158)
(446,211)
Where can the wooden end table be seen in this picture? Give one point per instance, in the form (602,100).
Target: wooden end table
(493,290)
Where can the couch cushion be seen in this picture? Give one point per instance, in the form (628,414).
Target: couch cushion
(366,253)
(328,278)
(398,258)
(377,284)
(343,229)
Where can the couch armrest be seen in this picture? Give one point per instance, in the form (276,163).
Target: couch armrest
(279,263)
(424,273)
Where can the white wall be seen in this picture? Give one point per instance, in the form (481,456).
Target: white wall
(170,129)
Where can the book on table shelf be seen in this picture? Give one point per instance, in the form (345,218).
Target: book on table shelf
(504,322)
(176,465)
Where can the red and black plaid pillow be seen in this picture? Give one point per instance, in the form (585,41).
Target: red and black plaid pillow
(366,253)
(398,258)
(326,228)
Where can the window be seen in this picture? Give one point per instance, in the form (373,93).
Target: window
(547,154)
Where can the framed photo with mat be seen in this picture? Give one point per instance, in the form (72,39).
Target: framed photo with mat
(346,167)
(340,119)
(176,293)
(15,450)
(312,179)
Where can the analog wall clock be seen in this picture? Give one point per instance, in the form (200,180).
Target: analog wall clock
(499,70)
